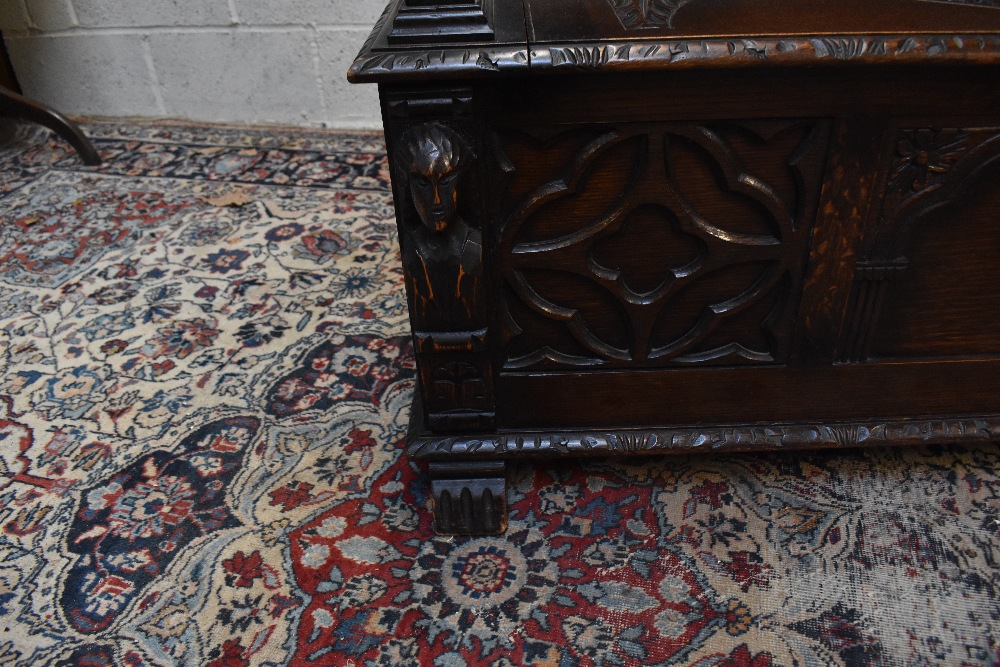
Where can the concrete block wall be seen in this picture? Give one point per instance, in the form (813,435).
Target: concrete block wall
(252,61)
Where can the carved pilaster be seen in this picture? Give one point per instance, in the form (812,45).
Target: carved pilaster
(433,143)
(457,380)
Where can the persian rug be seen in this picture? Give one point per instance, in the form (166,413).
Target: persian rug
(204,384)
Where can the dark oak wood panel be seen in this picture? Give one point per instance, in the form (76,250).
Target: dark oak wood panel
(945,302)
(746,395)
(933,93)
(681,225)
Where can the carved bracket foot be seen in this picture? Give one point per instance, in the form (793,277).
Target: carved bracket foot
(469,498)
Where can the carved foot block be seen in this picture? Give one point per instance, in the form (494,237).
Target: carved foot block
(469,498)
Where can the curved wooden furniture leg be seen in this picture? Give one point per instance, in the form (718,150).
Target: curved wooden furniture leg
(13,105)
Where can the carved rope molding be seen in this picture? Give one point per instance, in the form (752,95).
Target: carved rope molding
(676,53)
(968,430)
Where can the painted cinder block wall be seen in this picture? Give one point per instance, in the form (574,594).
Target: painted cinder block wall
(252,61)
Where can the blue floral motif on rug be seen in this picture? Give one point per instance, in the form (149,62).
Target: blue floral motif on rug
(371,364)
(129,527)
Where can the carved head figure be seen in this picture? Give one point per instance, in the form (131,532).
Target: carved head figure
(433,157)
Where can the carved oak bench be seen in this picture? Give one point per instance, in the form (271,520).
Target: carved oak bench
(632,227)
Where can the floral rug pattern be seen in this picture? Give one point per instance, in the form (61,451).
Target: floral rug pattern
(205,378)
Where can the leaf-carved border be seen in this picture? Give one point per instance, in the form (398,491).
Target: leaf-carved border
(437,64)
(750,438)
(376,64)
(678,53)
(992,4)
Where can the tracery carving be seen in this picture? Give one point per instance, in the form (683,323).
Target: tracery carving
(717,290)
(930,168)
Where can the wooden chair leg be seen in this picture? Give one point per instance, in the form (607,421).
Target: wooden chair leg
(13,105)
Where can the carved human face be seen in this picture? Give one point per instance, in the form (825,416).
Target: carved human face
(434,185)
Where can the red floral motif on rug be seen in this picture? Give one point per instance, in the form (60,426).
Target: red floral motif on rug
(70,228)
(599,580)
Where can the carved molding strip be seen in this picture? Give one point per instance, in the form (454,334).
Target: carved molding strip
(770,50)
(737,438)
(450,341)
(449,103)
(994,4)
(439,64)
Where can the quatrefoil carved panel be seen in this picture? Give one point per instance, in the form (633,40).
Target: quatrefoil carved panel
(655,229)
(676,245)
